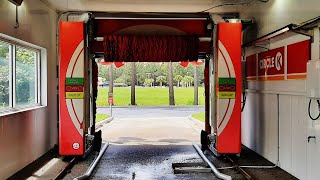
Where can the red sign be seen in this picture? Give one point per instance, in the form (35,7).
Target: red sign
(74,88)
(184,63)
(271,62)
(227,88)
(251,66)
(298,57)
(110,100)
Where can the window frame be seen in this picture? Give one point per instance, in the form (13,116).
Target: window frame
(13,44)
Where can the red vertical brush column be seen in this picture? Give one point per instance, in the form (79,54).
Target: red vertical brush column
(229,88)
(71,88)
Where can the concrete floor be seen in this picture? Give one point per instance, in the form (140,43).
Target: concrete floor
(150,131)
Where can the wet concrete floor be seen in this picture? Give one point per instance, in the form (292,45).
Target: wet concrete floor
(144,148)
(146,162)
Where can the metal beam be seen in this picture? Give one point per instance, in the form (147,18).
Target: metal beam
(151,16)
(201,39)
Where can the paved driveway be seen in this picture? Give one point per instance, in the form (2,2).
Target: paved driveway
(146,112)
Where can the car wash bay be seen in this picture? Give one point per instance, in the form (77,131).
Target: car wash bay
(171,39)
(276,120)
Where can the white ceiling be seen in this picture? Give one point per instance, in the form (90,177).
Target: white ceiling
(131,5)
(141,5)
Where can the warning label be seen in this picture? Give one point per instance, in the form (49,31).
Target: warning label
(227,95)
(227,88)
(74,81)
(74,95)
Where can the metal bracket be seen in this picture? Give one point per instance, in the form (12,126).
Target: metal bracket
(263,45)
(311,137)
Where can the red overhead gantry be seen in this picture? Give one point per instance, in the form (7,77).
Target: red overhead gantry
(147,38)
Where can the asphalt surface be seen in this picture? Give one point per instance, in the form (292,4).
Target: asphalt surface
(150,112)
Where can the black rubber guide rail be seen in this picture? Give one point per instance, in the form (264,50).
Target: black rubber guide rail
(67,169)
(237,167)
(203,167)
(192,167)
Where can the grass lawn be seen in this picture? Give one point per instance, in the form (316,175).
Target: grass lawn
(101,117)
(149,96)
(199,116)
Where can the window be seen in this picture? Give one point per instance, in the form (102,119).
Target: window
(4,75)
(19,76)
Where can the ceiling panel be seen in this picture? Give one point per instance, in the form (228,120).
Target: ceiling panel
(131,6)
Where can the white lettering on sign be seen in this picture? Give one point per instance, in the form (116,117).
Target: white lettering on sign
(271,62)
(278,61)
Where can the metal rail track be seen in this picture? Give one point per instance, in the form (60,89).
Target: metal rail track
(203,167)
(237,167)
(66,169)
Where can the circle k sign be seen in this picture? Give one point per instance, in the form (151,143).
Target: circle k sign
(271,62)
(279,61)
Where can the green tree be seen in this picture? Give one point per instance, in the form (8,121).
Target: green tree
(25,76)
(195,78)
(148,82)
(161,79)
(177,78)
(119,80)
(4,75)
(187,80)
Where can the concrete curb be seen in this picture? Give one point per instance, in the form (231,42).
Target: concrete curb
(200,123)
(102,123)
(196,124)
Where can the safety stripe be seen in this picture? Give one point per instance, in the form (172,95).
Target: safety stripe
(251,78)
(271,78)
(297,76)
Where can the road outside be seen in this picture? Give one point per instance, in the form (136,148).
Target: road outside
(150,112)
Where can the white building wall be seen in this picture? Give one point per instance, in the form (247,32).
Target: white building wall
(294,149)
(27,135)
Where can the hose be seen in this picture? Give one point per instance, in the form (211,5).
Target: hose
(309,113)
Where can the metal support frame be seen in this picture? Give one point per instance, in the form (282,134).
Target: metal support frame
(201,39)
